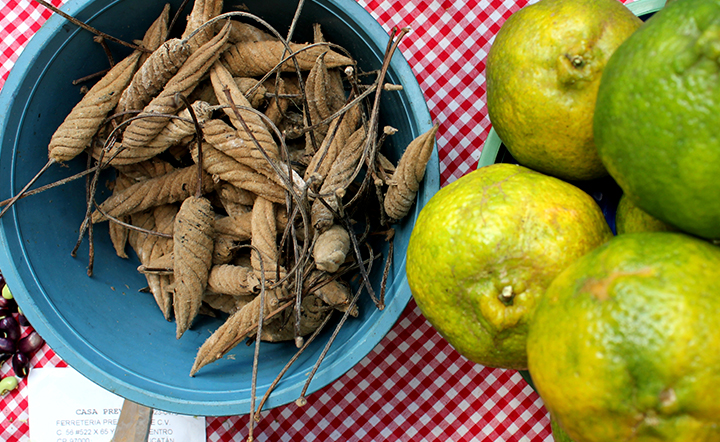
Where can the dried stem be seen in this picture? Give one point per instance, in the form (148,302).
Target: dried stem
(306,344)
(256,355)
(301,400)
(14,199)
(77,22)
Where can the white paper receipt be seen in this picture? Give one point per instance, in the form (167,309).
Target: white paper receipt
(64,406)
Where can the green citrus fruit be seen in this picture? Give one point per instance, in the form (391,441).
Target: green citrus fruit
(559,435)
(656,119)
(624,344)
(543,72)
(629,218)
(484,249)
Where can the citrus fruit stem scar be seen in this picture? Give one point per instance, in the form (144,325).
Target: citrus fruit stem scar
(507,295)
(576,60)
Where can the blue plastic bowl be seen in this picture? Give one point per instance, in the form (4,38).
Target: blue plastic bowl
(102,325)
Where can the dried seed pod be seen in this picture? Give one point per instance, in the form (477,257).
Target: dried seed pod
(202,11)
(341,129)
(84,120)
(236,226)
(223,249)
(236,144)
(169,188)
(325,94)
(337,181)
(172,134)
(192,249)
(255,59)
(118,233)
(245,84)
(409,173)
(144,170)
(153,75)
(331,248)
(137,240)
(336,294)
(225,168)
(141,131)
(226,303)
(234,200)
(223,81)
(160,265)
(244,32)
(234,329)
(156,247)
(312,313)
(264,239)
(239,226)
(233,280)
(277,106)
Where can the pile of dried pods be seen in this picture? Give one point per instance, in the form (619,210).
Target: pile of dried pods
(244,165)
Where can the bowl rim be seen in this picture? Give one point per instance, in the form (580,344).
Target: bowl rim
(63,345)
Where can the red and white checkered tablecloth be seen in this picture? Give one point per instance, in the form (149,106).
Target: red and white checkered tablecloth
(413,386)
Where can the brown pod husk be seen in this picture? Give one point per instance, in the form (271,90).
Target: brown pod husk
(233,280)
(341,129)
(173,187)
(202,11)
(312,314)
(325,94)
(238,326)
(156,247)
(223,249)
(223,81)
(333,292)
(331,248)
(226,303)
(278,106)
(264,239)
(257,97)
(172,134)
(192,249)
(337,181)
(162,64)
(234,200)
(244,32)
(236,144)
(82,123)
(410,171)
(137,240)
(255,59)
(152,168)
(119,233)
(143,130)
(160,265)
(237,226)
(225,168)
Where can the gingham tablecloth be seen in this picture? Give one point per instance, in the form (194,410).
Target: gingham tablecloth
(413,386)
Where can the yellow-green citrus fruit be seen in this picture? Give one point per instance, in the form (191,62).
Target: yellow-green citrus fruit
(629,218)
(624,344)
(559,435)
(543,72)
(656,119)
(484,249)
